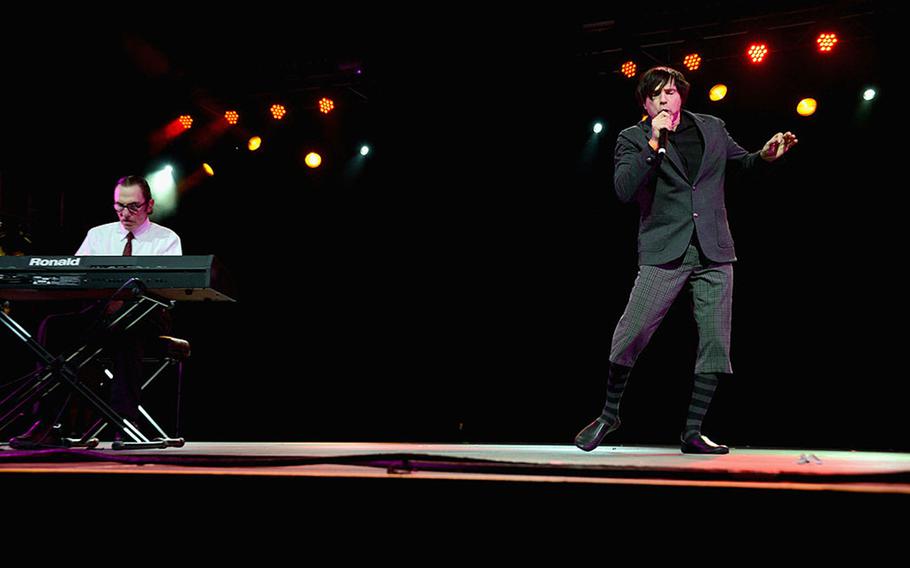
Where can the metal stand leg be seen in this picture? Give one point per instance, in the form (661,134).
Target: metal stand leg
(64,371)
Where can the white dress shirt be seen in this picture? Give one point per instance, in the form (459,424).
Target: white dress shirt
(149,239)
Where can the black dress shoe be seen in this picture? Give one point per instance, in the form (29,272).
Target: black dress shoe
(700,444)
(40,435)
(594,433)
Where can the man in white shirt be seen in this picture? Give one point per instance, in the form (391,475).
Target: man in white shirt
(133,203)
(132,235)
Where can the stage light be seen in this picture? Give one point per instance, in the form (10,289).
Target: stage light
(164,190)
(313,160)
(869,94)
(826,42)
(186,121)
(807,107)
(231,117)
(254,143)
(598,127)
(628,69)
(364,150)
(326,105)
(208,169)
(717,92)
(278,111)
(757,52)
(692,61)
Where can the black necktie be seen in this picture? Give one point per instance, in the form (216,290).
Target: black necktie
(128,249)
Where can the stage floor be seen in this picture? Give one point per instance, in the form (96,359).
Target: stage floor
(782,469)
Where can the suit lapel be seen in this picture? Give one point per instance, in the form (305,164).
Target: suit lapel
(704,140)
(676,161)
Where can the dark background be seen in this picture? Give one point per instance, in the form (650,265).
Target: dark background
(463,285)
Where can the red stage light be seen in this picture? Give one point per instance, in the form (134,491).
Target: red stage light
(231,117)
(326,105)
(692,61)
(186,121)
(628,69)
(826,42)
(757,52)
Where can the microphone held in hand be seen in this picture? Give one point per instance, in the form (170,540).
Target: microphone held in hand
(662,141)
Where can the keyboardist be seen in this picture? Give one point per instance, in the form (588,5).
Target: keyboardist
(132,234)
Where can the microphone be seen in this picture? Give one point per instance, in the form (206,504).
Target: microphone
(662,141)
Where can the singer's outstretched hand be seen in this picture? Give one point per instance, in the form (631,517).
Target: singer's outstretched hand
(778,145)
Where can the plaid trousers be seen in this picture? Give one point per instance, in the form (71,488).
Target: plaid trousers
(655,290)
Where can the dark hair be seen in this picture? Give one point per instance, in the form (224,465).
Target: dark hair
(130,181)
(654,80)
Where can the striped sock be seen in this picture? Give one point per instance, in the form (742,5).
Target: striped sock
(617,379)
(702,393)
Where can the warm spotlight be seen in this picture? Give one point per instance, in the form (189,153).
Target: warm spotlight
(313,160)
(717,92)
(278,111)
(807,107)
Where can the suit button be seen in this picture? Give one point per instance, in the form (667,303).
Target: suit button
(695,215)
(693,188)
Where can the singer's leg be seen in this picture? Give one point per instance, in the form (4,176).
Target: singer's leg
(712,300)
(655,289)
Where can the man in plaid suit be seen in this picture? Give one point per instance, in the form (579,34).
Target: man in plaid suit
(684,242)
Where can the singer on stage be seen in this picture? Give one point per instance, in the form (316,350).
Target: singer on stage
(672,164)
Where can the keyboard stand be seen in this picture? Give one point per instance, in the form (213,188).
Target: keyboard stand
(63,370)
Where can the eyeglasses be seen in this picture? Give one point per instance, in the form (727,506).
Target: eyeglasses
(133,207)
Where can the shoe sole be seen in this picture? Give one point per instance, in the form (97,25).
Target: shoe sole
(593,447)
(698,452)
